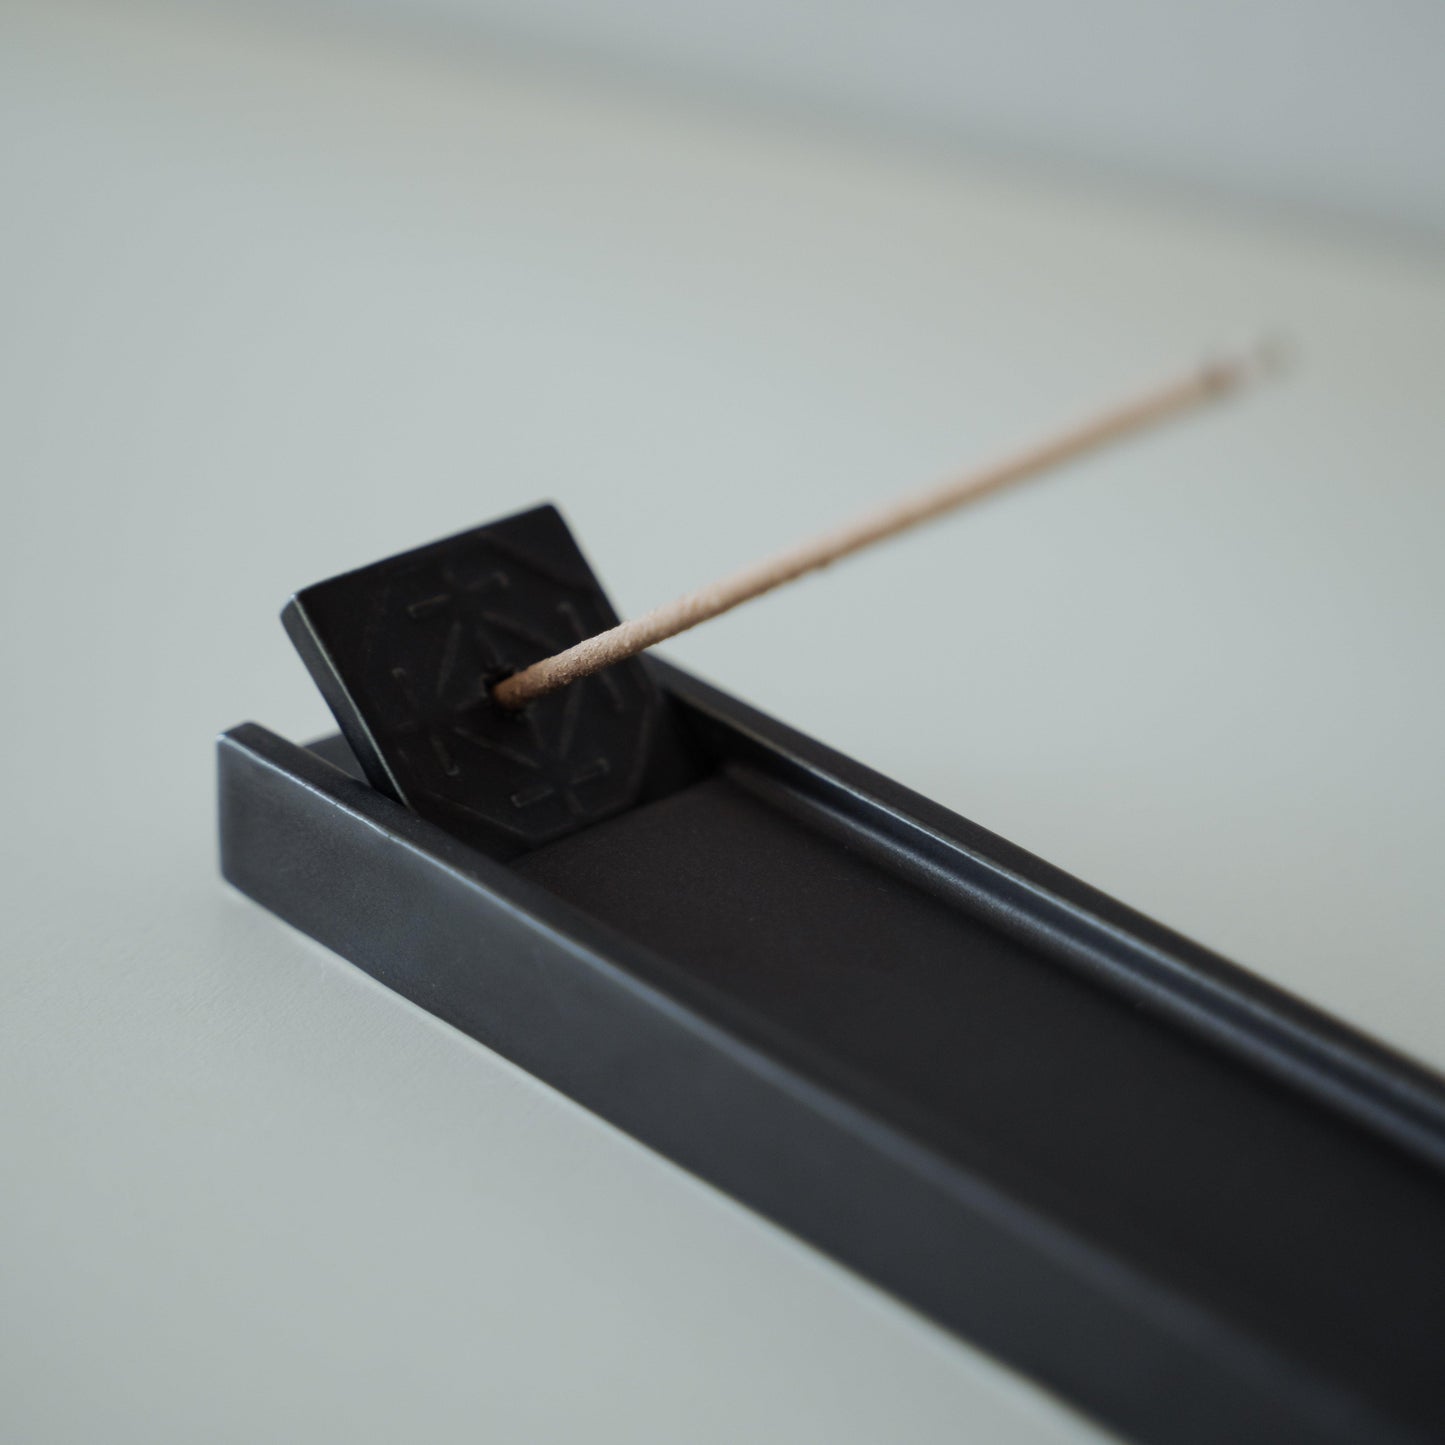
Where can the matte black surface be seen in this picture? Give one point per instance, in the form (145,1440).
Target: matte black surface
(1193,1205)
(1237,1191)
(406,650)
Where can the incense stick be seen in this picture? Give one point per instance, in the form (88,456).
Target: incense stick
(1135,413)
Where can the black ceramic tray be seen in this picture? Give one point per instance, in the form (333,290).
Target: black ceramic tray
(1192,1205)
(1187,1202)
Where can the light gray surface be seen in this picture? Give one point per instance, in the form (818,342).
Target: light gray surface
(278,304)
(1330,106)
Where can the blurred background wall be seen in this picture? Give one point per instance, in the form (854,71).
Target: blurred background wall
(1333,106)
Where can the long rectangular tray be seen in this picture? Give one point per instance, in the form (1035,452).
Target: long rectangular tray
(1191,1204)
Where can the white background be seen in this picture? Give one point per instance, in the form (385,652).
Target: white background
(281,297)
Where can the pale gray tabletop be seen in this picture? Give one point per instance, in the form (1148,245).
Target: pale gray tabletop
(281,303)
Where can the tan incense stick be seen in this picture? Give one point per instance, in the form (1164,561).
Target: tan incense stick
(1213,379)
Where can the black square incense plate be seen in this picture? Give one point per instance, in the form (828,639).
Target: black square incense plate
(1185,1201)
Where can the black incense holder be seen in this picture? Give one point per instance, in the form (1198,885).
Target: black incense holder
(1189,1203)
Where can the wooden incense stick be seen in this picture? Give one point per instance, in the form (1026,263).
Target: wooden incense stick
(1203,383)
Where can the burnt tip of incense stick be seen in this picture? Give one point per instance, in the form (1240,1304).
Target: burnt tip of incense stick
(1216,377)
(1266,357)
